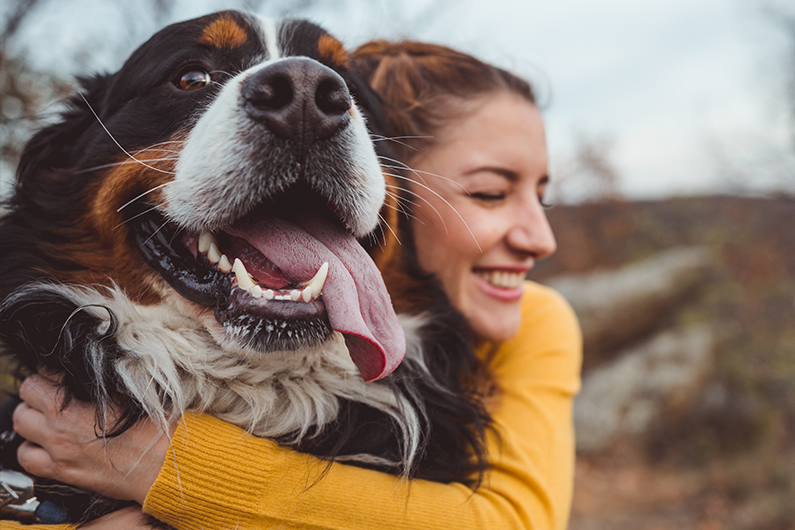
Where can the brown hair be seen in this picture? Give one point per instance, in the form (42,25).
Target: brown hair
(425,86)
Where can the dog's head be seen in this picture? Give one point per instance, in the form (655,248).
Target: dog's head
(227,166)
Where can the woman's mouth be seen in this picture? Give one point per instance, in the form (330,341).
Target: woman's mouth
(502,279)
(503,284)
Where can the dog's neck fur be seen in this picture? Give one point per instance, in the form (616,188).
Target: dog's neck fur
(173,365)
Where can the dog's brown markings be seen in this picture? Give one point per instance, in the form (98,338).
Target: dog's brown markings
(332,49)
(95,246)
(224,32)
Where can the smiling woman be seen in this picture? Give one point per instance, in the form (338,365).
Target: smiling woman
(482,226)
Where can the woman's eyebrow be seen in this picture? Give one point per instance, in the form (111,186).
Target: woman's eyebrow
(511,176)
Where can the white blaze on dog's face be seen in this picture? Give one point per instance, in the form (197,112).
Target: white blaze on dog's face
(253,174)
(232,155)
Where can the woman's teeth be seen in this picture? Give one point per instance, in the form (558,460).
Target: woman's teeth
(502,279)
(308,292)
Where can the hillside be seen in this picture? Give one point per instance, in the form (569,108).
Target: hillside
(728,461)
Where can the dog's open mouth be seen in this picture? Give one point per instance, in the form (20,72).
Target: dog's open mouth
(282,278)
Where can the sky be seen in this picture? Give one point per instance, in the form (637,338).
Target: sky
(689,96)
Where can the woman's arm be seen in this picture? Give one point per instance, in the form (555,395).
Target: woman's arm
(217,476)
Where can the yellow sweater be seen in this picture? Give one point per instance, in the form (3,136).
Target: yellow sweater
(218,477)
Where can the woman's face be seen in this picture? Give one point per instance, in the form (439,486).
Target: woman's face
(479,222)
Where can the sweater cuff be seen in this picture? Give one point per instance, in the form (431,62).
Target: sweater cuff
(198,486)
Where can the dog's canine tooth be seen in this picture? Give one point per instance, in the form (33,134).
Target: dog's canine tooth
(243,279)
(213,254)
(205,240)
(223,264)
(315,285)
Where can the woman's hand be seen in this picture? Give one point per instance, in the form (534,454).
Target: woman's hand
(128,518)
(62,445)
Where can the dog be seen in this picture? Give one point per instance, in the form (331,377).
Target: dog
(197,233)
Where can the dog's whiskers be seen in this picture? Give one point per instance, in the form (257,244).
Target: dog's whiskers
(434,209)
(166,142)
(390,229)
(115,164)
(177,232)
(400,206)
(396,139)
(135,217)
(221,72)
(155,232)
(125,205)
(116,142)
(427,202)
(418,171)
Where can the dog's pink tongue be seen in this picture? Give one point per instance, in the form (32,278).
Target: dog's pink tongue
(356,300)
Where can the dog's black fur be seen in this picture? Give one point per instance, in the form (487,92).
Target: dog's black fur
(44,242)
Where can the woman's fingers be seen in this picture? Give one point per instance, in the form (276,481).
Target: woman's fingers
(62,444)
(30,423)
(35,460)
(40,393)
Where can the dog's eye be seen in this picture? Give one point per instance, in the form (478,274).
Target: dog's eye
(193,79)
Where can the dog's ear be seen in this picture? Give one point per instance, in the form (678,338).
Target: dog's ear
(53,147)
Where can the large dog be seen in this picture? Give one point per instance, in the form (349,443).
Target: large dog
(186,239)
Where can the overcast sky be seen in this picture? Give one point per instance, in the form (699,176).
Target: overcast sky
(689,92)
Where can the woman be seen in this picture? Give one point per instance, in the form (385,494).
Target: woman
(474,140)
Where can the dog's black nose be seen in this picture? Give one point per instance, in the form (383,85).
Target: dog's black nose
(298,98)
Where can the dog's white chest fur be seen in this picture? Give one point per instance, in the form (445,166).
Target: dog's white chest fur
(171,364)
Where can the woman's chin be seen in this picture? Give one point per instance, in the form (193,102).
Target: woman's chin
(493,312)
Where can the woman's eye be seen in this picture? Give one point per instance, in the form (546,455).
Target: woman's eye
(194,79)
(488,196)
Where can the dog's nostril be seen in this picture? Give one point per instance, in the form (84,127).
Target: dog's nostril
(332,97)
(297,99)
(275,95)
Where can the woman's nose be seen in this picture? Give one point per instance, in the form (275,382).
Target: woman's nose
(531,233)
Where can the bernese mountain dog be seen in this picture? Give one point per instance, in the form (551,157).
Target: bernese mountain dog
(197,233)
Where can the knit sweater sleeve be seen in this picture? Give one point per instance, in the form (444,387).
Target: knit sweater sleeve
(217,476)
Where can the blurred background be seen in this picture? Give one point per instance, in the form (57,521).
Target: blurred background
(671,127)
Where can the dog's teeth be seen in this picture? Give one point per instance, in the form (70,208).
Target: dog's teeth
(295,294)
(306,295)
(315,285)
(223,264)
(205,240)
(213,254)
(256,291)
(243,279)
(267,294)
